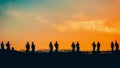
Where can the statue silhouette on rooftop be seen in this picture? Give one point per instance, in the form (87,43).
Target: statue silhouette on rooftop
(77,47)
(98,47)
(117,46)
(2,46)
(73,47)
(51,47)
(56,46)
(33,47)
(112,46)
(94,46)
(8,46)
(27,47)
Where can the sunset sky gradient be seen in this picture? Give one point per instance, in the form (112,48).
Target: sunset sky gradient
(64,21)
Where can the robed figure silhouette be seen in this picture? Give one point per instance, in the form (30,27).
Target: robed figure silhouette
(77,47)
(94,47)
(56,46)
(33,47)
(112,46)
(117,46)
(27,47)
(8,46)
(51,47)
(98,47)
(73,47)
(2,46)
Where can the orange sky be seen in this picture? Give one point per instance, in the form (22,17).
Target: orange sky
(63,21)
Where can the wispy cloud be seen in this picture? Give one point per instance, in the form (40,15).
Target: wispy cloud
(15,13)
(73,23)
(92,25)
(33,17)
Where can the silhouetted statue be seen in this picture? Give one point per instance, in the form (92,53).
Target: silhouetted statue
(51,47)
(98,46)
(73,47)
(78,47)
(56,46)
(94,46)
(27,47)
(116,45)
(33,47)
(8,46)
(12,48)
(2,46)
(112,46)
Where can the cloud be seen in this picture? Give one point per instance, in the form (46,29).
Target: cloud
(15,13)
(91,25)
(75,16)
(27,17)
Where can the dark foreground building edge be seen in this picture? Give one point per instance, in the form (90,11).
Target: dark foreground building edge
(14,59)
